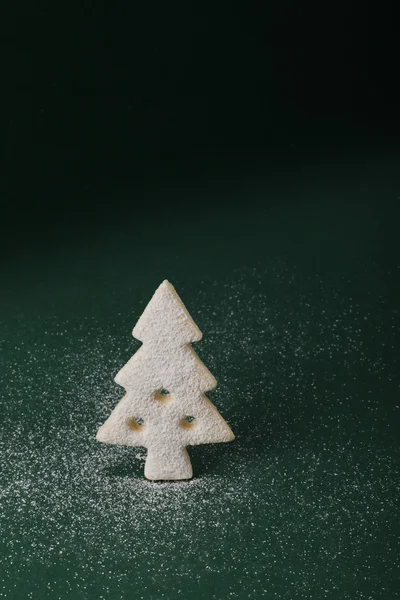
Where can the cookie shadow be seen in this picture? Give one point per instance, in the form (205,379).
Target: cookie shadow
(265,427)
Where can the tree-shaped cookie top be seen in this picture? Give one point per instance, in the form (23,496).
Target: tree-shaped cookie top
(166,320)
(165,408)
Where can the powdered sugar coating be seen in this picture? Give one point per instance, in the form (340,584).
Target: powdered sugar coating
(165,424)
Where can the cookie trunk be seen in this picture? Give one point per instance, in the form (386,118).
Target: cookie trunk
(168,465)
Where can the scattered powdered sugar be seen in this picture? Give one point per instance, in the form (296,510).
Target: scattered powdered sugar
(302,505)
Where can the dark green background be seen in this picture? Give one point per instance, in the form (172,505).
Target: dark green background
(251,157)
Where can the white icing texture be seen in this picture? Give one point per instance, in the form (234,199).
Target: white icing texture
(165,408)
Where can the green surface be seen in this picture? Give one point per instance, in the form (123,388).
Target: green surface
(293,279)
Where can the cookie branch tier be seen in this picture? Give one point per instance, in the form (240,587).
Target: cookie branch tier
(165,408)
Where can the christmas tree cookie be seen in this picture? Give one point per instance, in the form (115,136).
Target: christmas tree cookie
(165,408)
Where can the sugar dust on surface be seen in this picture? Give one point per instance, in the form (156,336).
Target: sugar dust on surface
(304,503)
